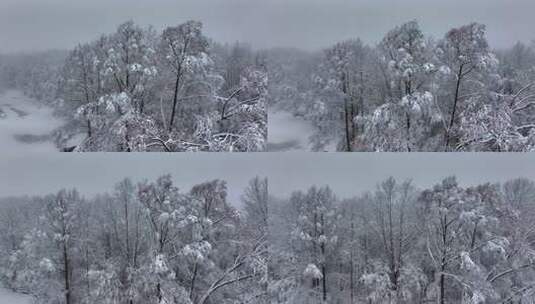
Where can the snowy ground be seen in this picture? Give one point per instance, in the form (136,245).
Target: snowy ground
(287,132)
(25,124)
(9,297)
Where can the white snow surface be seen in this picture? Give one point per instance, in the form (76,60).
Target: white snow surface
(22,116)
(9,297)
(287,132)
(312,271)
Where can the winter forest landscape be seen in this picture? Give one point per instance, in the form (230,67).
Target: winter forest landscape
(137,89)
(410,92)
(173,87)
(161,236)
(420,229)
(312,107)
(140,90)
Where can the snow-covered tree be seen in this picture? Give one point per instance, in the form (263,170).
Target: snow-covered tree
(171,87)
(342,80)
(184,49)
(142,243)
(498,122)
(410,92)
(406,66)
(60,220)
(465,53)
(314,231)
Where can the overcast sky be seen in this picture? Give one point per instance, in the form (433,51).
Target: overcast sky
(93,173)
(349,174)
(43,24)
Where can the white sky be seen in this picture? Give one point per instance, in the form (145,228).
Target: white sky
(348,174)
(27,25)
(351,174)
(93,173)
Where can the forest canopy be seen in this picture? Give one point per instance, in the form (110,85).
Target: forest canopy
(400,243)
(149,242)
(141,90)
(138,89)
(411,92)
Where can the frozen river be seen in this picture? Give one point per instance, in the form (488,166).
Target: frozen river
(9,297)
(25,124)
(287,132)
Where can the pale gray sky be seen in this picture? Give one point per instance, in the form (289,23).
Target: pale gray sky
(43,24)
(93,173)
(348,174)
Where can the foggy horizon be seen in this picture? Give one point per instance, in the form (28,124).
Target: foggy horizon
(35,175)
(348,175)
(298,24)
(352,175)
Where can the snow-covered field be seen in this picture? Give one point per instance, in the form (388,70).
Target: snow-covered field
(287,132)
(25,124)
(9,297)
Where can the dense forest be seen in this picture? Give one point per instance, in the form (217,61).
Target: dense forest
(401,244)
(144,243)
(142,90)
(177,90)
(154,243)
(411,92)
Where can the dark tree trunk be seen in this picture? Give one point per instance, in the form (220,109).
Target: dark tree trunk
(324,282)
(347,127)
(175,102)
(346,114)
(408,132)
(408,91)
(324,261)
(159,292)
(89,131)
(442,297)
(454,110)
(66,274)
(442,281)
(193,281)
(351,278)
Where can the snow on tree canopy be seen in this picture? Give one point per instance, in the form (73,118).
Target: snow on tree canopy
(197,251)
(182,95)
(160,264)
(467,263)
(312,271)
